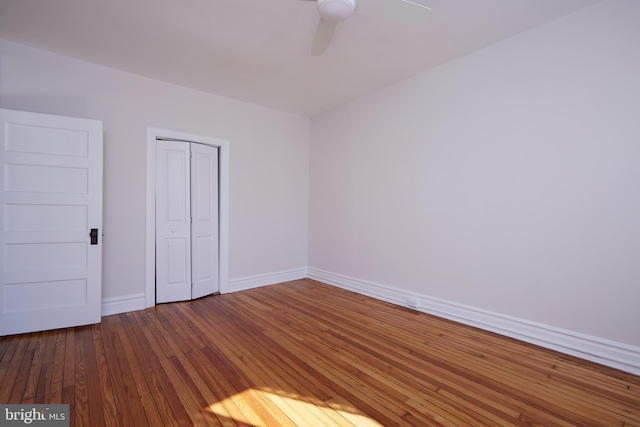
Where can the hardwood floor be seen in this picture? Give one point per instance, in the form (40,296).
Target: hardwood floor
(305,353)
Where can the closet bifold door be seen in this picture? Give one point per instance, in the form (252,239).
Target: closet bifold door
(186,221)
(173,221)
(204,223)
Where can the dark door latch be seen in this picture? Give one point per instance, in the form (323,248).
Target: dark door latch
(94,236)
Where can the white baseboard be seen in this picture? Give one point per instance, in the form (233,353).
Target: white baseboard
(250,282)
(617,355)
(123,304)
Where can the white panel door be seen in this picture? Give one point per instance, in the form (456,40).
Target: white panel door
(204,224)
(50,202)
(173,221)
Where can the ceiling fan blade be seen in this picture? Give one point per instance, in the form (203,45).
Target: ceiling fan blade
(394,10)
(323,36)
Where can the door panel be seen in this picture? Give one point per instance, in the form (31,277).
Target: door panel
(25,257)
(204,227)
(29,139)
(50,198)
(23,217)
(178,262)
(37,296)
(30,178)
(173,217)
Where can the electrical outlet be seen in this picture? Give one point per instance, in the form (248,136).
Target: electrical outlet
(413,302)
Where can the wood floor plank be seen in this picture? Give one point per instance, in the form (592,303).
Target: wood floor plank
(53,391)
(140,384)
(311,371)
(68,375)
(286,376)
(108,399)
(81,381)
(95,400)
(46,370)
(9,364)
(550,402)
(173,362)
(216,389)
(363,356)
(304,353)
(391,350)
(5,344)
(124,381)
(280,384)
(22,369)
(164,391)
(35,370)
(246,373)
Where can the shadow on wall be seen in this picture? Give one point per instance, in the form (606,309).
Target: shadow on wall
(72,106)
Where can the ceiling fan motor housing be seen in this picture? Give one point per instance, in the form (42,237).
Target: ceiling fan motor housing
(336,10)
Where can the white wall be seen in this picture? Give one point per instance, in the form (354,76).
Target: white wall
(507,180)
(268,160)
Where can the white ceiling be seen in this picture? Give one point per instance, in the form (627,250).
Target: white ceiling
(259,50)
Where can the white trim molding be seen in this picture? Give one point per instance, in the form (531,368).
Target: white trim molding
(153,134)
(610,353)
(250,282)
(124,304)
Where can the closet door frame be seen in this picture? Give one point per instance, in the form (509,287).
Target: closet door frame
(153,135)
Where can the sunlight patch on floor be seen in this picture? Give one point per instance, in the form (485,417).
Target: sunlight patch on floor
(303,411)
